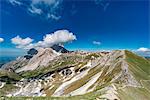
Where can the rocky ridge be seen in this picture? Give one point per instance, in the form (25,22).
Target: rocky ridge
(109,75)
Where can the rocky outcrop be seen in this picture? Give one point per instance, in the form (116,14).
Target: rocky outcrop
(59,48)
(66,72)
(31,53)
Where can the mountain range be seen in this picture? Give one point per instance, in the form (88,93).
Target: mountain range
(57,73)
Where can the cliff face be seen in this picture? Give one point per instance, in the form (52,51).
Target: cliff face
(112,75)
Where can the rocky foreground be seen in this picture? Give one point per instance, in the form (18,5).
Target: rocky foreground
(115,75)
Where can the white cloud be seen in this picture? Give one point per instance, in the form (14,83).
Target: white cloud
(96,42)
(52,16)
(1,40)
(35,10)
(48,9)
(142,49)
(58,37)
(15,2)
(20,42)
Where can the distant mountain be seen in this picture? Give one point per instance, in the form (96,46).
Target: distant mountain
(4,60)
(31,53)
(35,58)
(114,75)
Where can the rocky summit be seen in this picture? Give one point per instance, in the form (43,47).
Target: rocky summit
(59,74)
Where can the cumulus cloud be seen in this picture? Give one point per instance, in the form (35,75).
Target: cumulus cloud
(143,51)
(20,42)
(96,42)
(58,37)
(1,40)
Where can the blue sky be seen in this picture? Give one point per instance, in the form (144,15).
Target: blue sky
(97,24)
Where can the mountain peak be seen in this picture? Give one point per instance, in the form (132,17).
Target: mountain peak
(42,58)
(59,48)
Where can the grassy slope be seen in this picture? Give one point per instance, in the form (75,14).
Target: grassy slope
(9,75)
(132,93)
(140,68)
(138,65)
(62,62)
(103,80)
(55,65)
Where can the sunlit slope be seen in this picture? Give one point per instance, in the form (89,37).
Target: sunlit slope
(119,74)
(140,69)
(139,66)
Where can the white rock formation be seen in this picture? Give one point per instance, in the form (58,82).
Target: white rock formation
(42,58)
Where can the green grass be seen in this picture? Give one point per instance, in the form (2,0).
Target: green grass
(140,69)
(133,93)
(60,63)
(138,62)
(41,71)
(8,76)
(146,84)
(139,66)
